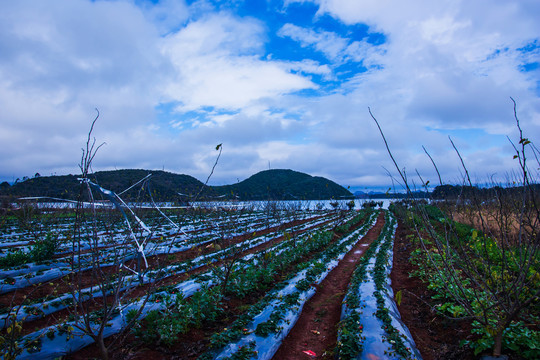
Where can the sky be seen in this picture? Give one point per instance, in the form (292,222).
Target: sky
(280,84)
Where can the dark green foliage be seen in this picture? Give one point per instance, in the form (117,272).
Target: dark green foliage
(380,278)
(486,255)
(284,185)
(350,342)
(372,204)
(453,192)
(244,352)
(165,186)
(434,213)
(43,249)
(272,324)
(14,258)
(518,338)
(179,316)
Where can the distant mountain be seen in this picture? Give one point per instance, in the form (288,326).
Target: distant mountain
(389,195)
(283,185)
(166,186)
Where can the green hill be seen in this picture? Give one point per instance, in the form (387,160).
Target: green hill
(165,186)
(283,185)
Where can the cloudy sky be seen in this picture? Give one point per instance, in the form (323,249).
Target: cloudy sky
(282,84)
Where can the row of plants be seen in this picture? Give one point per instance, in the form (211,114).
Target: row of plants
(370,323)
(160,241)
(262,327)
(396,334)
(113,232)
(520,336)
(74,340)
(20,278)
(61,301)
(206,233)
(253,274)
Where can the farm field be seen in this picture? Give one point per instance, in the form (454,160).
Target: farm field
(272,280)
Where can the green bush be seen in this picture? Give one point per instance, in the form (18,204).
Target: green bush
(517,338)
(44,249)
(41,250)
(179,316)
(14,258)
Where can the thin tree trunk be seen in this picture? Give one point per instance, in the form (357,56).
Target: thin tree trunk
(226,279)
(102,348)
(498,343)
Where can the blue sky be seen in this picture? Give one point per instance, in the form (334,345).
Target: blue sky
(282,84)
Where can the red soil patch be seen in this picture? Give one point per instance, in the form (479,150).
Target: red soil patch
(142,290)
(189,346)
(87,278)
(316,329)
(436,337)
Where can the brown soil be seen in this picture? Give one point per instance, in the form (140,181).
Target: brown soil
(316,329)
(141,291)
(436,337)
(500,223)
(190,345)
(87,278)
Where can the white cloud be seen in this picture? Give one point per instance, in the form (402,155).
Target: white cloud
(450,64)
(443,65)
(308,66)
(218,63)
(60,60)
(336,48)
(332,45)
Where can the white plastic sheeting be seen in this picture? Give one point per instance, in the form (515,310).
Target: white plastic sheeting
(267,346)
(374,339)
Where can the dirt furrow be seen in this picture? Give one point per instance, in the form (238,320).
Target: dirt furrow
(142,290)
(314,336)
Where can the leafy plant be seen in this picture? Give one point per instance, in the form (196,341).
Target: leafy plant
(14,258)
(44,249)
(41,250)
(519,338)
(490,273)
(10,342)
(179,316)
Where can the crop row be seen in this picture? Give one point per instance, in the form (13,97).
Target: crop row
(29,274)
(48,342)
(262,328)
(59,302)
(370,322)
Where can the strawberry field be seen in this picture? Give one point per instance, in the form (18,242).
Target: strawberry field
(87,281)
(267,280)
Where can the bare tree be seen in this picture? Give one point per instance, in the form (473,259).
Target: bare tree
(491,272)
(97,290)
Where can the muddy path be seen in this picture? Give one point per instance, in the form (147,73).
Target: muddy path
(194,343)
(143,290)
(315,332)
(436,337)
(88,278)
